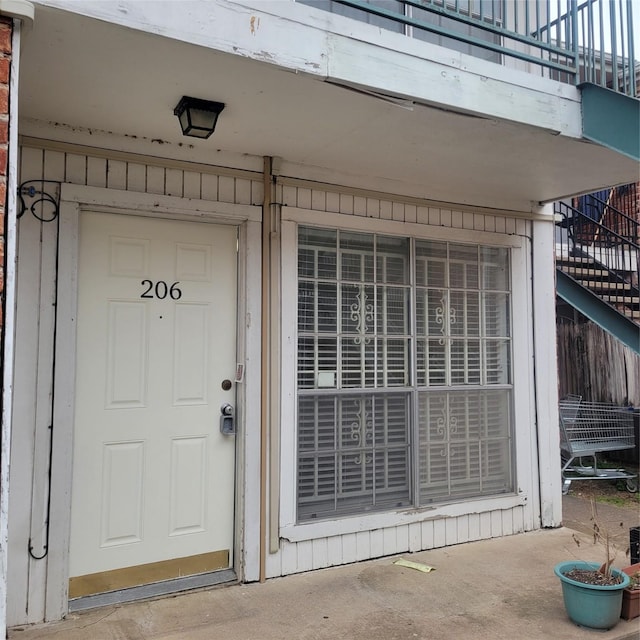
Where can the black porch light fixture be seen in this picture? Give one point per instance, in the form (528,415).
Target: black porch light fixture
(198,117)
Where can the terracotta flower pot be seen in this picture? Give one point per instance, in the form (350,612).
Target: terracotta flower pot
(631,597)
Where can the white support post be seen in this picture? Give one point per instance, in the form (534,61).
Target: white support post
(546,371)
(9,316)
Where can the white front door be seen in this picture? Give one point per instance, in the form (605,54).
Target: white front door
(153,476)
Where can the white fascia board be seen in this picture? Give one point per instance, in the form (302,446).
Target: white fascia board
(445,86)
(366,57)
(17,9)
(223,25)
(357,55)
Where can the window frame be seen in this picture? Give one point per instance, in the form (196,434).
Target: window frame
(522,377)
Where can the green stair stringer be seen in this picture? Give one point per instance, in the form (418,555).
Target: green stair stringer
(598,311)
(611,119)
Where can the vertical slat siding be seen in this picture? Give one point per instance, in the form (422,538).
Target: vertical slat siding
(496,524)
(363,545)
(451,531)
(289,196)
(377,543)
(490,223)
(319,200)
(323,552)
(462,529)
(76,168)
(96,172)
(289,553)
(155,180)
(473,526)
(415,536)
(349,548)
(373,208)
(333,202)
(136,177)
(209,187)
(402,538)
(273,562)
(485,525)
(428,535)
(241,191)
(304,556)
(386,210)
(23,432)
(424,215)
(346,204)
(389,541)
(397,212)
(116,174)
(334,550)
(174,183)
(303,198)
(320,550)
(439,533)
(226,189)
(507,523)
(192,186)
(354,547)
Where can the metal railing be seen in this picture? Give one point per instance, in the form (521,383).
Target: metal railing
(600,207)
(566,40)
(601,259)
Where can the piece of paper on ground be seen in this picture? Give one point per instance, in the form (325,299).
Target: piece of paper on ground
(418,566)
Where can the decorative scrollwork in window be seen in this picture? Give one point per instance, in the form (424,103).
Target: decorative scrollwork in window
(362,427)
(41,197)
(362,315)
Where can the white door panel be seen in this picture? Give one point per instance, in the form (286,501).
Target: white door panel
(153,477)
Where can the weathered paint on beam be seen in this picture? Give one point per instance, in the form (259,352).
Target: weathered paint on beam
(332,47)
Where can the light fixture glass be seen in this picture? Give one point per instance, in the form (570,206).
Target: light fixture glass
(198,117)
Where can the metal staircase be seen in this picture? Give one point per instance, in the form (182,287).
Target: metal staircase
(598,263)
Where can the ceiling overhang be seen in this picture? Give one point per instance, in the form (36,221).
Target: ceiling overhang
(86,79)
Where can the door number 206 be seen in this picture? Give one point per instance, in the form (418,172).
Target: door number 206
(161,290)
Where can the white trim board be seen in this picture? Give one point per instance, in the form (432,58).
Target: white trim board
(73,200)
(114,200)
(525,495)
(405,229)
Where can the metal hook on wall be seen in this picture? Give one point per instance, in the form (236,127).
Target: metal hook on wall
(41,200)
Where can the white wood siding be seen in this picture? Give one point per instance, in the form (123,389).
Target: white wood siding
(418,536)
(487,518)
(35,325)
(34,364)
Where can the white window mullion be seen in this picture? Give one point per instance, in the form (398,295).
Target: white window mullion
(414,410)
(339,331)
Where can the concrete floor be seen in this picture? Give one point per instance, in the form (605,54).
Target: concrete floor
(488,590)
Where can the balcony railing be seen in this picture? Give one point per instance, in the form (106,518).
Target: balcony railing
(567,40)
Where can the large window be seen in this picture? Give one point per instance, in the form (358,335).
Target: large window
(404,372)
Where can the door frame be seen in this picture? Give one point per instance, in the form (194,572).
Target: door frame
(73,200)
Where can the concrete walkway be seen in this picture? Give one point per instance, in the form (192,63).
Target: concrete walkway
(488,590)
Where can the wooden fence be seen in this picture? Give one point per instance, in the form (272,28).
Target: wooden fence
(593,364)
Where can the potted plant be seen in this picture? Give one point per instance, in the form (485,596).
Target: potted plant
(631,595)
(592,591)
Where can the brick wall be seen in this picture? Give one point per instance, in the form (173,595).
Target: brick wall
(627,200)
(6,29)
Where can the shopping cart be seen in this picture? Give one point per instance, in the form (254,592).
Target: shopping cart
(590,428)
